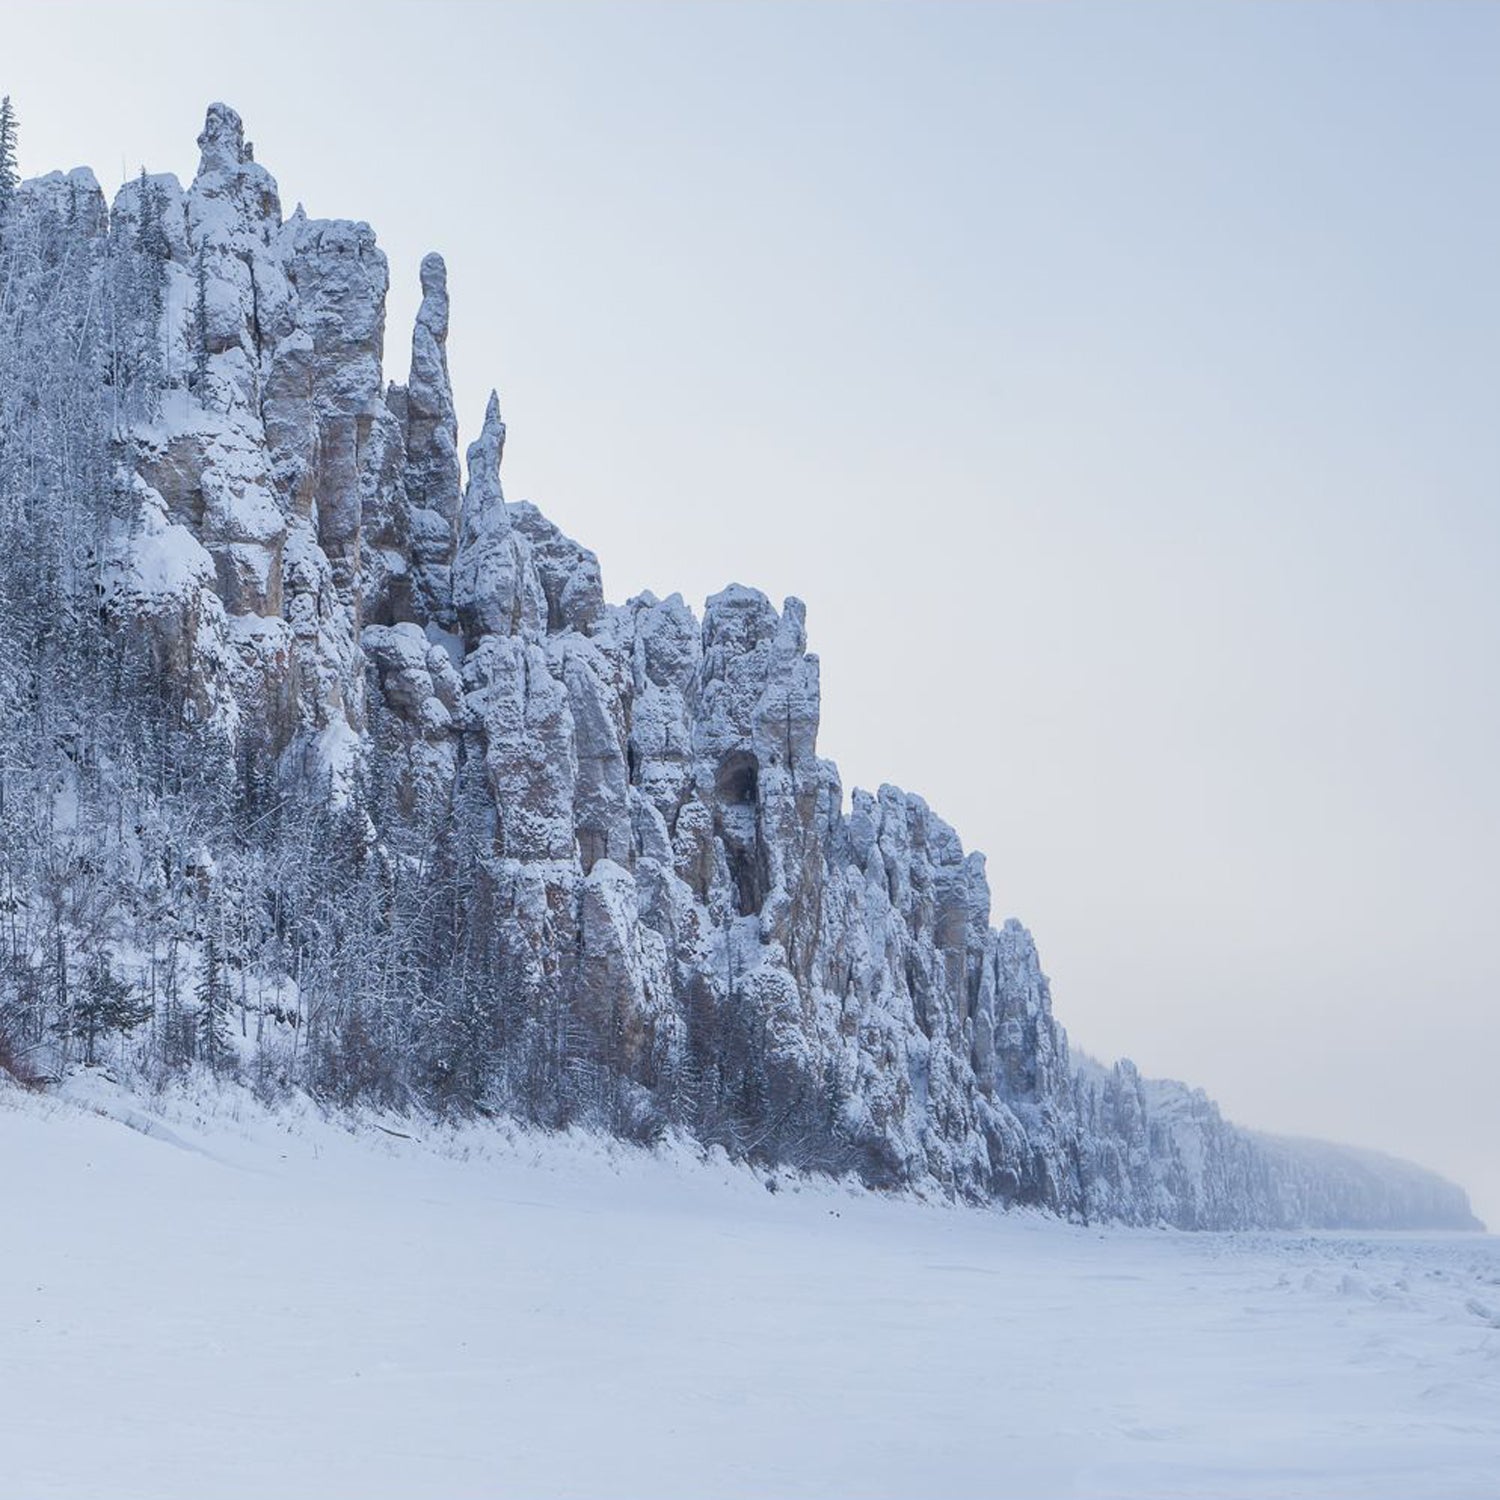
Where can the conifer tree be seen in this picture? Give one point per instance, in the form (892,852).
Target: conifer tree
(200,354)
(153,251)
(105,1003)
(10,177)
(213,1007)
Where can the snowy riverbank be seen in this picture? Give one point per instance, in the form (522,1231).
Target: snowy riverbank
(225,1302)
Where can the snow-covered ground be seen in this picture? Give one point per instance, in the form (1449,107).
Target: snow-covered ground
(219,1302)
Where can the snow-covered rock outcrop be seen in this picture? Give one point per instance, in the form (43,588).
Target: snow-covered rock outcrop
(670,873)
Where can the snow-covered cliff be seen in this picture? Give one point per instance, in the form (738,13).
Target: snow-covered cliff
(649,873)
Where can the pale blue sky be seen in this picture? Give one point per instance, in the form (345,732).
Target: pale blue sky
(1116,383)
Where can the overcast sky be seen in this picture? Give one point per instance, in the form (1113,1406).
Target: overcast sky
(1117,385)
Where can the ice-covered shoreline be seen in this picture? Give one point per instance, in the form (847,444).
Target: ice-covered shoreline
(268,1302)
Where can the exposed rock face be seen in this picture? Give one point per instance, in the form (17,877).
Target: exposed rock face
(669,857)
(430,427)
(1156,1151)
(272,433)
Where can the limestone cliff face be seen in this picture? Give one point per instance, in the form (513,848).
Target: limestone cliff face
(268,452)
(665,846)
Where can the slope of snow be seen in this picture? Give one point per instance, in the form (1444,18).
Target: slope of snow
(218,1301)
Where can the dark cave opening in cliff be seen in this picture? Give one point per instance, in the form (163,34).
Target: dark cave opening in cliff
(739,777)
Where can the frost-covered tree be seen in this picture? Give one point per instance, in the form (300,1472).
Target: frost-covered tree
(213,1006)
(104,1004)
(154,250)
(200,321)
(10,176)
(139,253)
